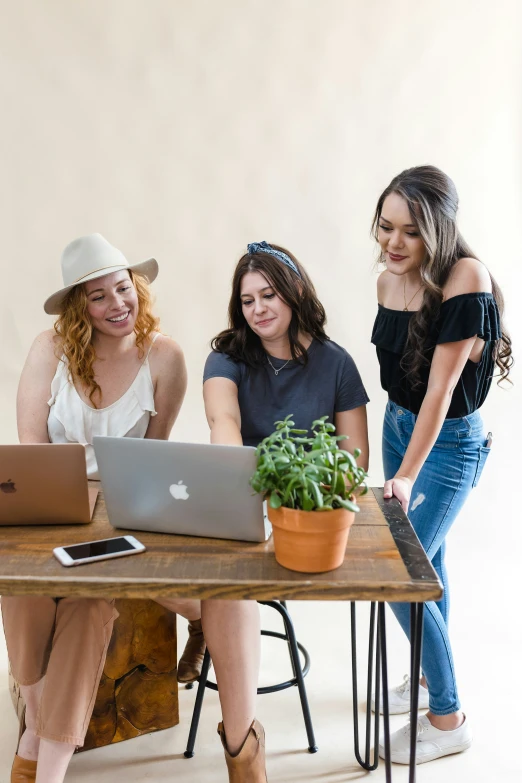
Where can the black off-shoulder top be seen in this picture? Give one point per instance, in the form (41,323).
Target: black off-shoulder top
(460,317)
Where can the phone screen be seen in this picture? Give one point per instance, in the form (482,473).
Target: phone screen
(97,548)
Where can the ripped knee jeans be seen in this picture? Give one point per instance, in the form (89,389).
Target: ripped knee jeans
(452,469)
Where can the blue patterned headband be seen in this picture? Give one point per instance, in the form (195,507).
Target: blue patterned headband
(264,247)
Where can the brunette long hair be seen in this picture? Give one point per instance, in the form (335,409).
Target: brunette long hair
(74,329)
(433,202)
(297,291)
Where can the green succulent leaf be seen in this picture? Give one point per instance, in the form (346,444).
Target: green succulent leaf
(348,504)
(275,500)
(315,492)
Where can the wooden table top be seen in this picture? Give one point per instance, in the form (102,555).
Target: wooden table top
(384,561)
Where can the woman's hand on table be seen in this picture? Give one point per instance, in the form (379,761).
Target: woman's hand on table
(399,487)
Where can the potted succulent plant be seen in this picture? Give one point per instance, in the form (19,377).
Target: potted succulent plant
(310,485)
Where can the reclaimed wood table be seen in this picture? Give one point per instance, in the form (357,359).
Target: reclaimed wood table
(384,562)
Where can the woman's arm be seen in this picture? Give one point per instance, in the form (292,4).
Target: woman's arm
(34,389)
(222,410)
(354,423)
(449,359)
(448,362)
(170,373)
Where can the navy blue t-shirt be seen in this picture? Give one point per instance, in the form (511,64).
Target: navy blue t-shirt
(329,383)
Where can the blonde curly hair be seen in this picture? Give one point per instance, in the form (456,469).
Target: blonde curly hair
(74,329)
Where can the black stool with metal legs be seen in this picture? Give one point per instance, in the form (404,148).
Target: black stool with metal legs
(298,679)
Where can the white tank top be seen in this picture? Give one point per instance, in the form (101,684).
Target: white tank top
(71,420)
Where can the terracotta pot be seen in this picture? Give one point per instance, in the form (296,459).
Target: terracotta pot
(310,541)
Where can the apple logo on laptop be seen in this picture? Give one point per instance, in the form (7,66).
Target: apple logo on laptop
(179,491)
(8,486)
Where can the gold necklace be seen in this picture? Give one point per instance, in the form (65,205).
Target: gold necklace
(413,297)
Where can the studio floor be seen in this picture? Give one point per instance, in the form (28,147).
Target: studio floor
(324,629)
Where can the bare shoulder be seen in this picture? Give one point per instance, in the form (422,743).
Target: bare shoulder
(384,281)
(47,340)
(166,357)
(45,350)
(38,371)
(166,348)
(468,276)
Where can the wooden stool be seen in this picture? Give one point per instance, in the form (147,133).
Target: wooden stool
(138,690)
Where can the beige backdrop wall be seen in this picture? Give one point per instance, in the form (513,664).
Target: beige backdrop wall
(184,130)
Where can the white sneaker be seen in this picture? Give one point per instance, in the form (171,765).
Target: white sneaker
(432,743)
(399,698)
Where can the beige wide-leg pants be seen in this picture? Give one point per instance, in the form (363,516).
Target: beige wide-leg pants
(65,639)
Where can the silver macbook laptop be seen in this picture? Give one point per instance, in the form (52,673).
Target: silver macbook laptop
(45,484)
(186,488)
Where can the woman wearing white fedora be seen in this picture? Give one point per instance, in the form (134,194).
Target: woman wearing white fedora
(104,370)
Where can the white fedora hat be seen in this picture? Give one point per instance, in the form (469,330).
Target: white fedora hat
(90,257)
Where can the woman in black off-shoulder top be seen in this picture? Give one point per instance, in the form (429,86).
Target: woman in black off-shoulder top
(439,336)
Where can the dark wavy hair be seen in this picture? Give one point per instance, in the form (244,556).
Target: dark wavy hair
(433,202)
(308,315)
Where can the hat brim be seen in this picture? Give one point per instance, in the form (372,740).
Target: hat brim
(53,305)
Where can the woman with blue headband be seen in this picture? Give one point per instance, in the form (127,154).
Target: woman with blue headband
(274,359)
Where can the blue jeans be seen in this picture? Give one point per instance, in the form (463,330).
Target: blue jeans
(452,469)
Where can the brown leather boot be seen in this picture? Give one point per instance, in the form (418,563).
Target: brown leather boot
(247,766)
(190,663)
(23,770)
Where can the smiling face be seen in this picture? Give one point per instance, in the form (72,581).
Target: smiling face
(112,304)
(402,246)
(264,310)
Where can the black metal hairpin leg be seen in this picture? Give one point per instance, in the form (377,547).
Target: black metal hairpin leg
(385,705)
(372,645)
(197,706)
(381,666)
(416,631)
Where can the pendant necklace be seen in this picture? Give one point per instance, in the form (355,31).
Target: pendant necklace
(279,368)
(413,297)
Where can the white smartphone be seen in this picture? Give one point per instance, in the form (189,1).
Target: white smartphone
(91,551)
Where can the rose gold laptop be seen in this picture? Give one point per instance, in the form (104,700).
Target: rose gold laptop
(45,484)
